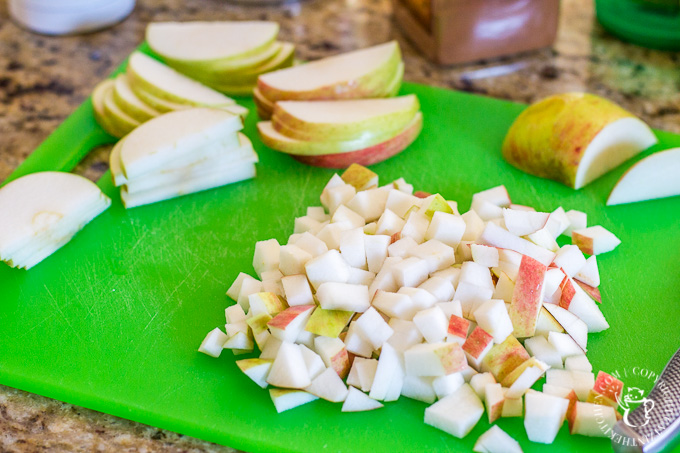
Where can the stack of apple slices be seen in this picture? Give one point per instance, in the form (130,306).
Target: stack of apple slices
(148,89)
(382,292)
(42,211)
(181,153)
(374,72)
(336,134)
(227,56)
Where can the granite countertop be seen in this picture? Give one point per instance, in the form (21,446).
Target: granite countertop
(43,79)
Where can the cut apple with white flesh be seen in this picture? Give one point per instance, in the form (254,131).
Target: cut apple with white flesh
(117,115)
(358,74)
(286,399)
(574,138)
(161,140)
(43,211)
(653,177)
(457,413)
(130,102)
(544,415)
(495,440)
(358,401)
(345,119)
(98,95)
(164,82)
(195,42)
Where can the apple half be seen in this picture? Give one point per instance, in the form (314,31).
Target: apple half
(655,176)
(574,138)
(42,211)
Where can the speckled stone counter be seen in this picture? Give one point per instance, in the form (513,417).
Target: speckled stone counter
(43,79)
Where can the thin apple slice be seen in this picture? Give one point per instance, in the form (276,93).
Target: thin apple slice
(214,72)
(166,83)
(158,142)
(574,138)
(130,102)
(210,42)
(345,119)
(285,399)
(370,155)
(117,115)
(653,177)
(42,211)
(358,74)
(98,95)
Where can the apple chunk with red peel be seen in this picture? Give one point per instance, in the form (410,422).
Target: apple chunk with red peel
(595,240)
(527,297)
(287,325)
(477,346)
(342,154)
(503,358)
(655,176)
(574,138)
(434,359)
(607,390)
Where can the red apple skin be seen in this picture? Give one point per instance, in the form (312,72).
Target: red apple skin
(421,194)
(592,291)
(607,390)
(584,243)
(526,297)
(568,293)
(571,410)
(341,363)
(503,358)
(478,340)
(287,316)
(367,156)
(452,358)
(458,327)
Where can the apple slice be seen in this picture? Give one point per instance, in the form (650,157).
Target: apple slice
(119,117)
(98,95)
(343,120)
(130,102)
(651,178)
(164,82)
(503,358)
(358,74)
(210,42)
(256,369)
(42,211)
(527,297)
(574,138)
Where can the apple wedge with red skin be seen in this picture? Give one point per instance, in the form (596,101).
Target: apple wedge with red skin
(527,297)
(341,154)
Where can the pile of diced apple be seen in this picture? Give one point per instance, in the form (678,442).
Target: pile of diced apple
(382,292)
(226,56)
(148,89)
(337,111)
(179,153)
(42,211)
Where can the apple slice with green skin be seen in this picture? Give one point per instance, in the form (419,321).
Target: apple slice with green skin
(345,119)
(367,156)
(116,115)
(358,74)
(165,83)
(282,59)
(210,44)
(574,138)
(286,399)
(328,323)
(45,210)
(98,96)
(130,102)
(653,177)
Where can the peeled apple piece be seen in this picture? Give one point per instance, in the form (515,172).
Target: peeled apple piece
(574,138)
(42,211)
(159,141)
(655,176)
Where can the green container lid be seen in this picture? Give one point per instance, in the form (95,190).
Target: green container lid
(649,23)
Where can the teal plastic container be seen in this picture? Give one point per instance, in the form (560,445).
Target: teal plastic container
(651,23)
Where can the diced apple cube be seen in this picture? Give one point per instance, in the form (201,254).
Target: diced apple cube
(296,290)
(495,440)
(266,302)
(410,272)
(313,361)
(607,390)
(405,335)
(292,259)
(334,354)
(474,226)
(402,248)
(356,344)
(328,386)
(343,296)
(494,398)
(434,359)
(447,228)
(445,385)
(328,267)
(592,420)
(370,203)
(234,314)
(289,323)
(389,223)
(578,220)
(540,348)
(521,222)
(570,259)
(558,222)
(439,287)
(578,363)
(373,328)
(523,377)
(328,323)
(492,316)
(432,324)
(256,369)
(503,358)
(513,407)
(589,273)
(456,414)
(389,375)
(376,251)
(419,388)
(479,381)
(289,369)
(311,244)
(484,255)
(457,330)
(286,399)
(438,255)
(477,346)
(358,401)
(343,214)
(213,343)
(544,415)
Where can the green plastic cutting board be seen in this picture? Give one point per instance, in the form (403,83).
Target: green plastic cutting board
(112,321)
